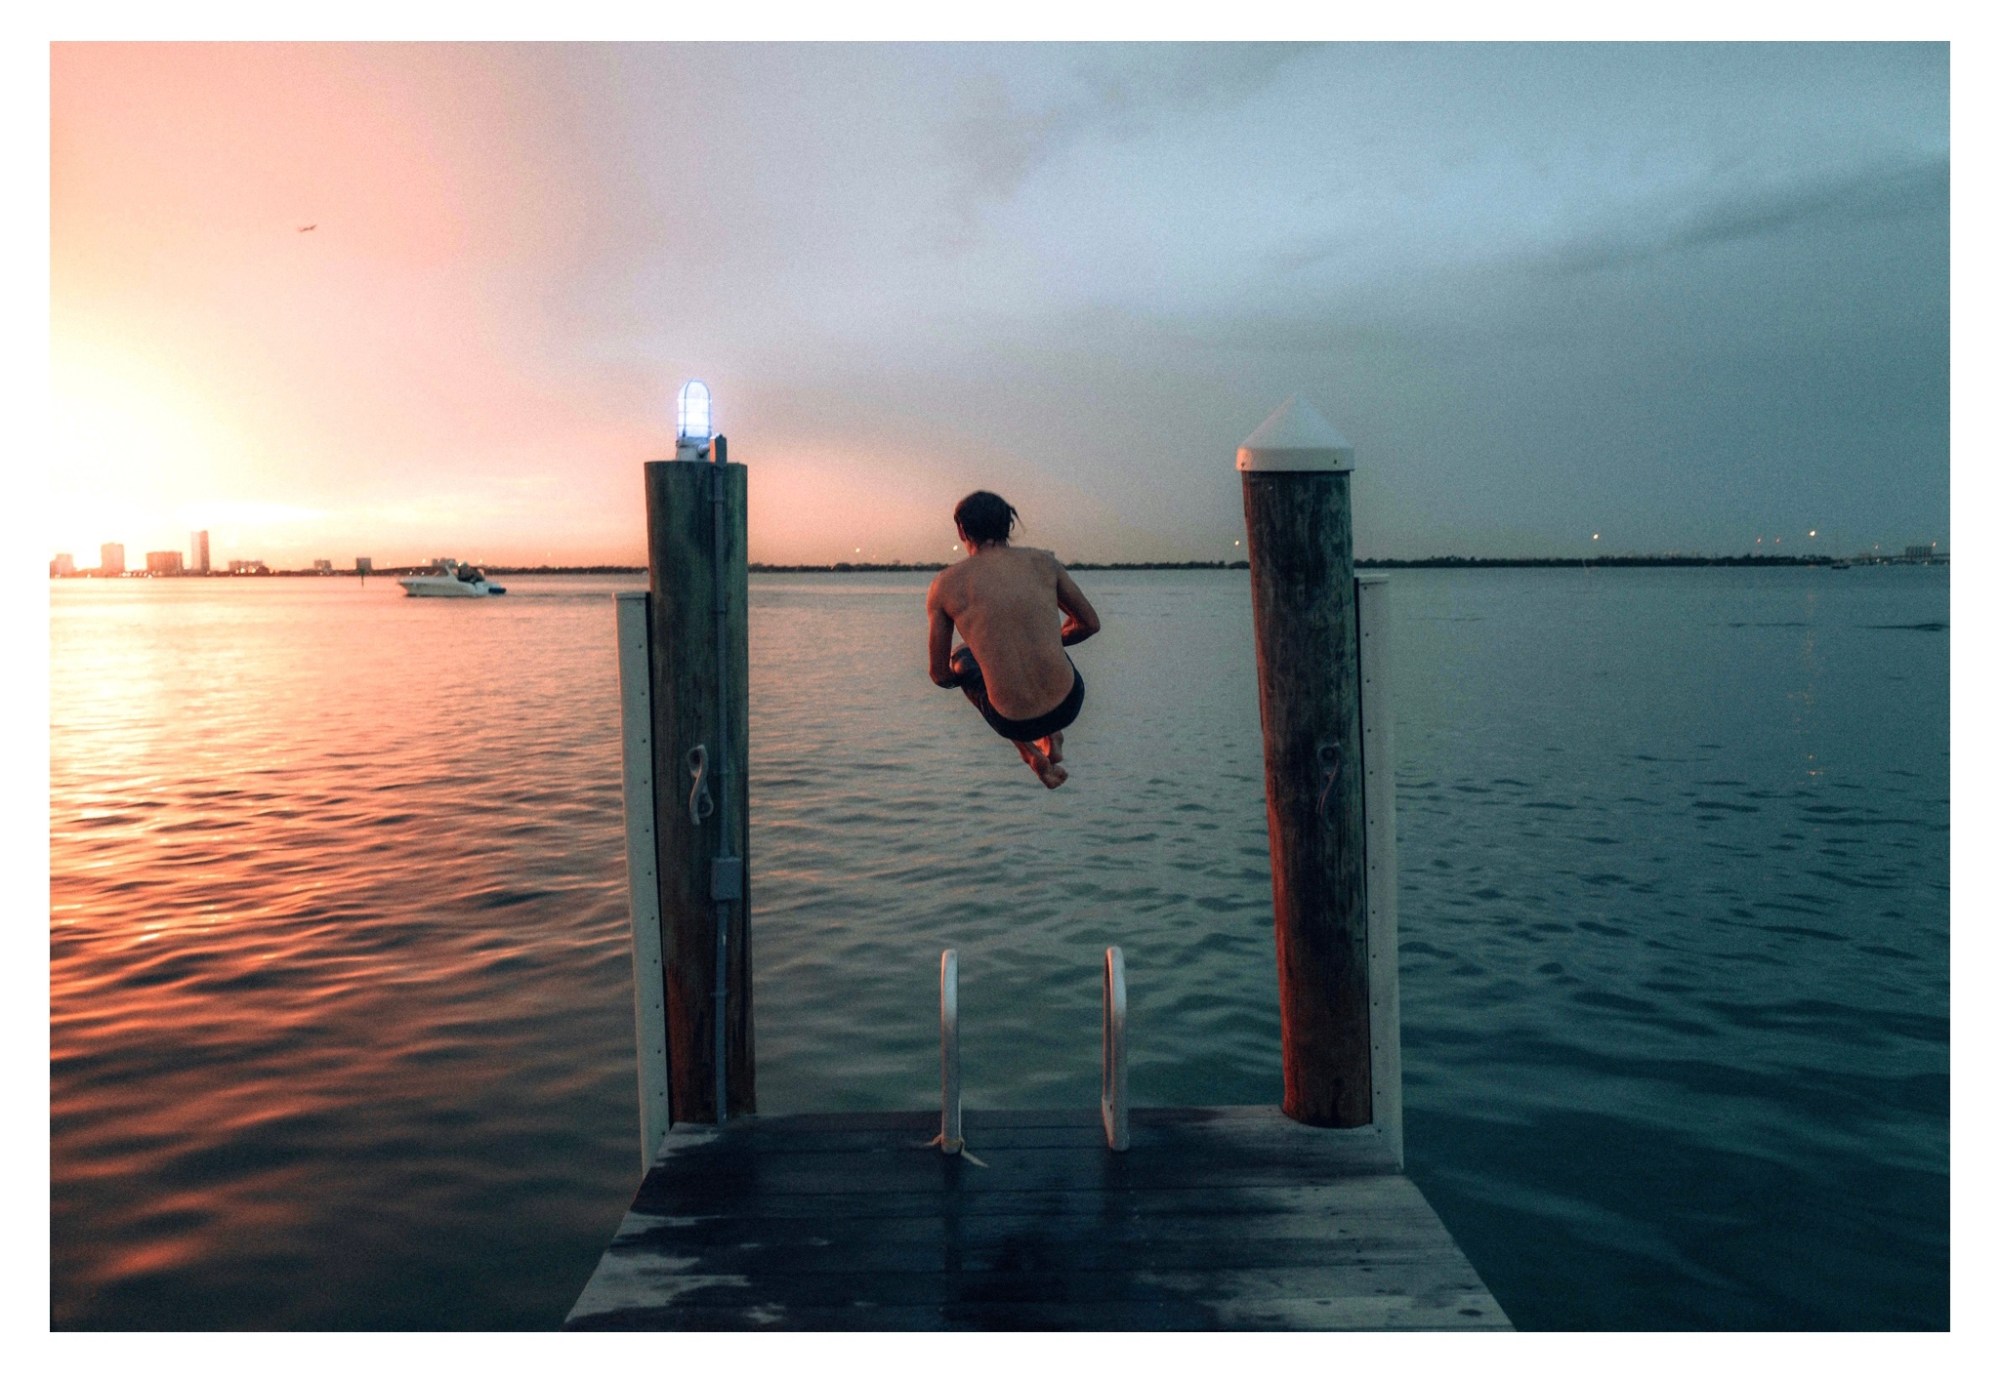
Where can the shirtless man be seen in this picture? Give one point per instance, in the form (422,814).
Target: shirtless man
(1012,666)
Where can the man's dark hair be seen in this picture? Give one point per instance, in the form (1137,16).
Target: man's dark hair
(985,517)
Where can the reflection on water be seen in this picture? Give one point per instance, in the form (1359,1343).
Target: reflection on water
(335,903)
(340,1007)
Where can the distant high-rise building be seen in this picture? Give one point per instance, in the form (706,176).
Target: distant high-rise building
(163,562)
(1916,552)
(364,565)
(111,558)
(198,553)
(63,566)
(322,567)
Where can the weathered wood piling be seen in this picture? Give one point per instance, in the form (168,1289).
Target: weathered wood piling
(697,536)
(1297,513)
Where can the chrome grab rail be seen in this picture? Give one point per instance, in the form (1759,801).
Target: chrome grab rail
(951,1137)
(1111,1104)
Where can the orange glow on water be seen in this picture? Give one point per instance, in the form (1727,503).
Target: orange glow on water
(249,972)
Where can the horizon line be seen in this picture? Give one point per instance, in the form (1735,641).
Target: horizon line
(1668,558)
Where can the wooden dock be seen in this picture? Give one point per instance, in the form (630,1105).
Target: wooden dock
(1232,1218)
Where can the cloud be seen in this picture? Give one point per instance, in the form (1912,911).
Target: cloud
(1831,200)
(1002,140)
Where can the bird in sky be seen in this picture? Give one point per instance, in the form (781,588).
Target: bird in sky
(313,226)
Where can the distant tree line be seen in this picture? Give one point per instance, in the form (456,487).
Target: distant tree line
(565,569)
(1422,563)
(1433,562)
(1557,562)
(925,567)
(1397,563)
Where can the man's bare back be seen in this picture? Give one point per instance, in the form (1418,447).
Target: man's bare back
(1004,600)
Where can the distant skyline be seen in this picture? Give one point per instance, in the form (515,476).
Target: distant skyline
(1771,547)
(329,300)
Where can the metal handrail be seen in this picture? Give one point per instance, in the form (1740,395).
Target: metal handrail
(951,1137)
(1112,1102)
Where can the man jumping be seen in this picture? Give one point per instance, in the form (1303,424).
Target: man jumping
(1012,666)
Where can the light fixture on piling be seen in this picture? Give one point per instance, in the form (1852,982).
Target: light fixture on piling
(695,424)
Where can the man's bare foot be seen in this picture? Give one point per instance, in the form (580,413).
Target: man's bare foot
(1045,770)
(1052,747)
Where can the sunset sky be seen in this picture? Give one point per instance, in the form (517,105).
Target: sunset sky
(1679,296)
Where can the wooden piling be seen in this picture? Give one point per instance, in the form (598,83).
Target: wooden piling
(691,820)
(1296,506)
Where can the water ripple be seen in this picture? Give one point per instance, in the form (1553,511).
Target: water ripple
(1674,909)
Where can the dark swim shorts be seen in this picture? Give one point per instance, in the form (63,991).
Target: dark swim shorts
(1016,729)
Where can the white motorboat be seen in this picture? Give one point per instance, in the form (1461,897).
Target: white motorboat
(449,579)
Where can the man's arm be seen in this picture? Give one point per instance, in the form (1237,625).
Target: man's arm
(941,630)
(1080,620)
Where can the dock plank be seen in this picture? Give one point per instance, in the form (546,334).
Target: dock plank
(1471,1312)
(1217,1218)
(1356,1195)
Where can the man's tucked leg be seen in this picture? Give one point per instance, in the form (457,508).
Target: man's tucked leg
(1049,773)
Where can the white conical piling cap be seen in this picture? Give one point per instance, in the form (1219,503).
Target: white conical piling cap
(1295,438)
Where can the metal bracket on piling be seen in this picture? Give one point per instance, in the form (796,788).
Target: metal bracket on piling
(951,1137)
(1111,1104)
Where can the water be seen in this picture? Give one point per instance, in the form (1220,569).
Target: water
(339,973)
